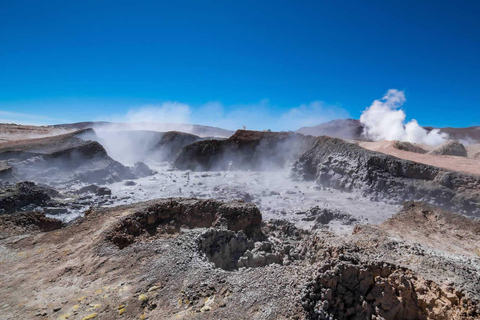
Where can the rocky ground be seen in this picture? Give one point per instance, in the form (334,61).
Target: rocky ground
(260,225)
(185,258)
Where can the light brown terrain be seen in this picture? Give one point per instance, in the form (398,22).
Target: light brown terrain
(454,163)
(10,131)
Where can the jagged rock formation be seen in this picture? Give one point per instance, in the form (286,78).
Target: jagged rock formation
(353,290)
(450,148)
(62,158)
(341,165)
(253,150)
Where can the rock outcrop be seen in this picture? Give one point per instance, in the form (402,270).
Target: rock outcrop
(247,150)
(172,142)
(345,166)
(25,196)
(353,290)
(410,147)
(168,215)
(63,158)
(450,148)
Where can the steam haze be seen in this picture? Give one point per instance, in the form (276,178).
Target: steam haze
(256,116)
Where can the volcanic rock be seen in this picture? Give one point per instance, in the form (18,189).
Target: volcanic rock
(407,146)
(450,148)
(323,216)
(171,143)
(5,170)
(345,166)
(369,274)
(353,290)
(26,222)
(62,158)
(254,150)
(141,170)
(170,214)
(25,195)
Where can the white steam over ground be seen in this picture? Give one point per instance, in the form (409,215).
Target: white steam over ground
(130,137)
(261,115)
(384,120)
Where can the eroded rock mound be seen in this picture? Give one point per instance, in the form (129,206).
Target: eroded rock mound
(345,166)
(351,290)
(450,148)
(410,147)
(420,222)
(167,216)
(253,150)
(63,158)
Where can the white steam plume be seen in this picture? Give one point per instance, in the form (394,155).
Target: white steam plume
(384,120)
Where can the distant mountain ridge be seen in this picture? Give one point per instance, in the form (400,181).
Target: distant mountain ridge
(195,129)
(349,129)
(352,129)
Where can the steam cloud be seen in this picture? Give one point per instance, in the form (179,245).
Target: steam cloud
(384,120)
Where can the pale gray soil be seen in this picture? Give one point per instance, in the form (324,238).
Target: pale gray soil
(275,194)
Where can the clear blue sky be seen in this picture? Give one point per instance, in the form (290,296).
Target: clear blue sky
(83,60)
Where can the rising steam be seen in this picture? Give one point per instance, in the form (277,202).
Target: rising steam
(384,120)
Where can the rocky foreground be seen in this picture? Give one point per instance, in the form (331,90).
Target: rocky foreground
(183,258)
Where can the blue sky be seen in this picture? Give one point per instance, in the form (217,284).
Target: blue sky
(276,64)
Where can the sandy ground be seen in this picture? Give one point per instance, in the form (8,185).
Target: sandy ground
(448,162)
